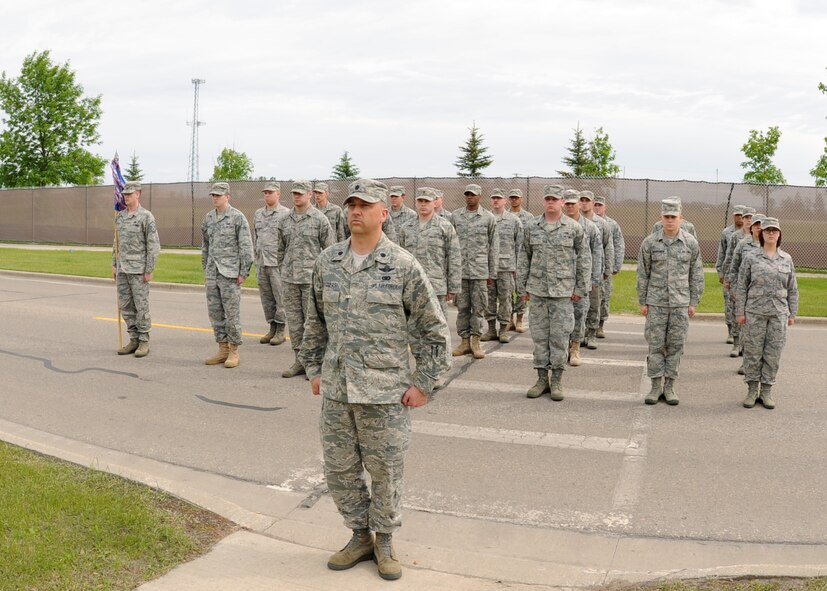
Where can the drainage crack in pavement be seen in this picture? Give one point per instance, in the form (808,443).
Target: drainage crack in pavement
(237,405)
(47,363)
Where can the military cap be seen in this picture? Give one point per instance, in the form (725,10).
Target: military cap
(438,193)
(131,187)
(757,219)
(770,223)
(271,186)
(553,190)
(748,211)
(301,187)
(515,193)
(220,189)
(587,194)
(600,199)
(738,210)
(367,190)
(571,196)
(497,193)
(473,189)
(320,188)
(670,206)
(396,191)
(426,193)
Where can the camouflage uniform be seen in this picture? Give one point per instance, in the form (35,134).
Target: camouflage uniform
(606,286)
(226,254)
(734,239)
(270,290)
(134,254)
(594,241)
(480,246)
(510,231)
(723,247)
(337,218)
(360,322)
(388,228)
(405,215)
(519,304)
(670,278)
(688,227)
(301,238)
(607,263)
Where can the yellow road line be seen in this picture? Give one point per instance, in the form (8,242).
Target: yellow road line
(179,327)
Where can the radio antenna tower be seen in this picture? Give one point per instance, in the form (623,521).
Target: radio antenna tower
(192,175)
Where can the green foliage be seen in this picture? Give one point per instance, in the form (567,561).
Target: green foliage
(578,158)
(134,172)
(48,123)
(819,171)
(232,166)
(759,150)
(601,156)
(345,169)
(473,156)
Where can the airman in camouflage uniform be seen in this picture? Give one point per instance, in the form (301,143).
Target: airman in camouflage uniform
(303,234)
(670,281)
(515,198)
(619,249)
(388,228)
(594,240)
(335,214)
(434,242)
(734,239)
(134,255)
(746,247)
(723,246)
(686,226)
(439,209)
(226,257)
(399,212)
(595,303)
(501,292)
(370,299)
(766,303)
(266,221)
(553,270)
(480,244)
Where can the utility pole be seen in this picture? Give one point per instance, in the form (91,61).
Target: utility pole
(192,175)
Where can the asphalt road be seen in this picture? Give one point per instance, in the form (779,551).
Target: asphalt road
(599,461)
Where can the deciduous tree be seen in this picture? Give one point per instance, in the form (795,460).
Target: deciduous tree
(759,150)
(232,166)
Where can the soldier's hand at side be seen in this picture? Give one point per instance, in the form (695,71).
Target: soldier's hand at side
(575,297)
(526,298)
(728,285)
(147,277)
(489,282)
(741,319)
(316,385)
(720,279)
(240,279)
(449,297)
(114,272)
(790,321)
(644,310)
(691,311)
(414,397)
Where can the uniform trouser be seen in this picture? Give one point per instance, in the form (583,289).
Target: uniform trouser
(519,305)
(296,301)
(133,299)
(606,289)
(593,316)
(581,310)
(224,308)
(271,292)
(551,321)
(472,303)
(729,312)
(665,331)
(373,436)
(443,304)
(763,338)
(501,297)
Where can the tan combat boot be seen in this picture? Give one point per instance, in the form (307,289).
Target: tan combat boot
(541,387)
(464,348)
(143,349)
(220,357)
(600,334)
(504,338)
(129,348)
(491,335)
(266,338)
(557,385)
(591,343)
(358,549)
(297,369)
(385,557)
(766,396)
(669,392)
(752,395)
(518,326)
(278,336)
(574,354)
(232,356)
(655,393)
(476,349)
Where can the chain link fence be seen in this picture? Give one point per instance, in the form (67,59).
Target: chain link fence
(84,215)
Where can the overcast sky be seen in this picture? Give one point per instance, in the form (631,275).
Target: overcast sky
(677,85)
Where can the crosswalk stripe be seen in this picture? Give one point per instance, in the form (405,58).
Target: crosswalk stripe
(584,360)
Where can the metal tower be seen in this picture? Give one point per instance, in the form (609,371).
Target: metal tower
(192,175)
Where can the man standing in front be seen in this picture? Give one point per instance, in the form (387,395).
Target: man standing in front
(554,269)
(226,257)
(480,246)
(619,249)
(303,234)
(134,256)
(501,292)
(670,281)
(515,198)
(335,214)
(369,300)
(399,212)
(266,221)
(595,302)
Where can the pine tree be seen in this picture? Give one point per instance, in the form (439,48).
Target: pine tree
(473,157)
(345,169)
(134,172)
(578,158)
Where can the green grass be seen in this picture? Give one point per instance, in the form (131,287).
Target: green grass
(739,584)
(70,528)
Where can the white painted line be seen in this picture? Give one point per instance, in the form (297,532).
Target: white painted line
(503,388)
(559,440)
(627,489)
(585,360)
(627,332)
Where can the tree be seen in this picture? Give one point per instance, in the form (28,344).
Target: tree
(134,172)
(345,169)
(232,166)
(473,155)
(48,123)
(819,171)
(759,150)
(578,158)
(600,156)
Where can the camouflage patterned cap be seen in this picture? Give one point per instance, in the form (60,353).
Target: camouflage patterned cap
(748,211)
(515,193)
(426,193)
(272,186)
(588,195)
(599,199)
(220,189)
(571,196)
(553,190)
(757,219)
(439,194)
(301,187)
(396,191)
(131,187)
(670,206)
(321,188)
(497,194)
(367,190)
(738,210)
(473,189)
(771,223)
